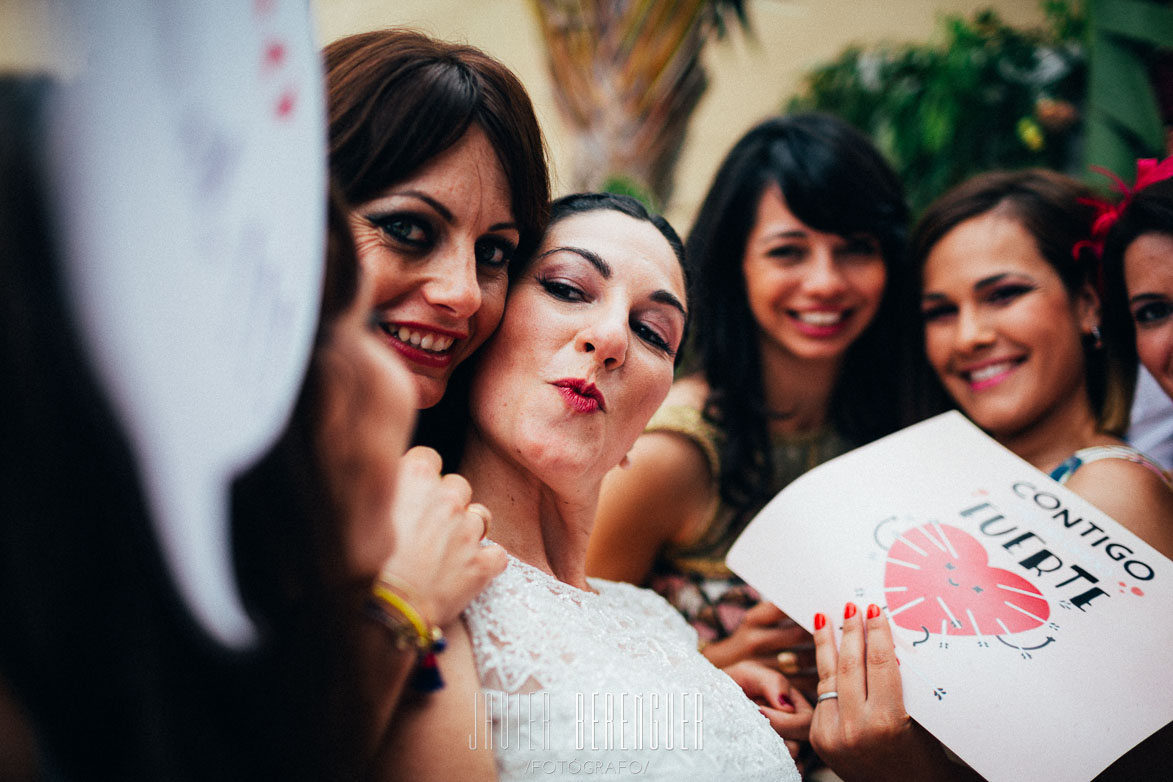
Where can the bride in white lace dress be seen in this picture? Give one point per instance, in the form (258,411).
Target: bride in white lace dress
(551,673)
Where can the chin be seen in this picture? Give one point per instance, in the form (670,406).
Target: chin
(821,352)
(429,391)
(999,423)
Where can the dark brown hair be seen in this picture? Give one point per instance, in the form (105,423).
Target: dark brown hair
(1149,212)
(1053,209)
(836,181)
(397,99)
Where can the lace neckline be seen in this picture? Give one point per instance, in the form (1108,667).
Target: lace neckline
(552,582)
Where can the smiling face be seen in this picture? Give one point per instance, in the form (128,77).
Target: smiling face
(1148,276)
(811,293)
(437,246)
(584,355)
(1001,330)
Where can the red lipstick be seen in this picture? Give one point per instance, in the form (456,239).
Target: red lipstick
(428,358)
(582,396)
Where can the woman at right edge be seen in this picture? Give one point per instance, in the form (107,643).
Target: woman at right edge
(1013,331)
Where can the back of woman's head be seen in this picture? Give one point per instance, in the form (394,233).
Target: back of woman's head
(397,99)
(289,550)
(74,521)
(1057,211)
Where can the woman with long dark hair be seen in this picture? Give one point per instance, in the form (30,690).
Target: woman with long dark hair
(797,270)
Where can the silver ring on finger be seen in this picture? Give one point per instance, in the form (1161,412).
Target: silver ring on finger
(826,696)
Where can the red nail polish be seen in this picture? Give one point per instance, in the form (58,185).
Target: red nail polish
(873,611)
(784,699)
(849,611)
(820,620)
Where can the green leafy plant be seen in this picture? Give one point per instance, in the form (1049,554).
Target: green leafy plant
(988,96)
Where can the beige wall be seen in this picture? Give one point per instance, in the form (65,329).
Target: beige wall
(748,78)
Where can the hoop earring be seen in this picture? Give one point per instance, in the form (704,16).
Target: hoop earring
(1097,338)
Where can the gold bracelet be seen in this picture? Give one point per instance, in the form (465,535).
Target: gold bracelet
(390,608)
(389,604)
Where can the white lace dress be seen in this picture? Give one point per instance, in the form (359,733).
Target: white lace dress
(578,683)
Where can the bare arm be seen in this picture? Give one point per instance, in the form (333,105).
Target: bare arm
(430,737)
(1132,495)
(664,493)
(438,555)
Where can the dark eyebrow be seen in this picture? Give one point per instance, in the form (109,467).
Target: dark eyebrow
(446,213)
(986,282)
(443,211)
(604,269)
(595,259)
(665,297)
(1138,298)
(793,233)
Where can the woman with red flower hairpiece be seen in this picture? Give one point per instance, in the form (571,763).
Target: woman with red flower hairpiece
(1013,330)
(1138,268)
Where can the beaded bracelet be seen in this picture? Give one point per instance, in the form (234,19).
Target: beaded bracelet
(389,605)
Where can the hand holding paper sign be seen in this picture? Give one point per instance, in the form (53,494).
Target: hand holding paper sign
(864,731)
(1003,588)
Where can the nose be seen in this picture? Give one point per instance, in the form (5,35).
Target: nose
(973,330)
(453,286)
(605,339)
(824,278)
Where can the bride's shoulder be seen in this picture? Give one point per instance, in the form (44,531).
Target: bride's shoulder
(645,604)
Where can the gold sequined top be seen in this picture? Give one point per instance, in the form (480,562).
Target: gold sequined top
(692,574)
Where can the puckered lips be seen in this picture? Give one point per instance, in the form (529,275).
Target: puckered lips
(425,345)
(581,396)
(821,322)
(989,373)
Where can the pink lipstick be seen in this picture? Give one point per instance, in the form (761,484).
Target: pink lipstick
(583,397)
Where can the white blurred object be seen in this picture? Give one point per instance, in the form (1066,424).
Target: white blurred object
(1152,420)
(189,164)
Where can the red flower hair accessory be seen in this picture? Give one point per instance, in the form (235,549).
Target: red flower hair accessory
(1148,171)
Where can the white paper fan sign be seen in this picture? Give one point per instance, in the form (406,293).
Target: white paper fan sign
(190,172)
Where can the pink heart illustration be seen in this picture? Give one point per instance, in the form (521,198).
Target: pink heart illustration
(938,578)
